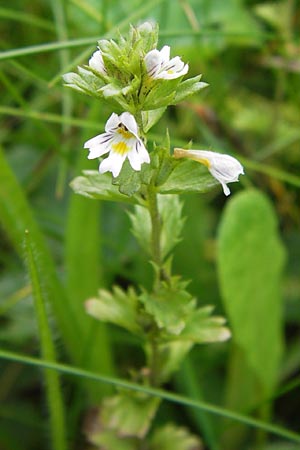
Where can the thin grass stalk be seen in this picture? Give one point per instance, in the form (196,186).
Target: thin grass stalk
(165,395)
(52,383)
(67,99)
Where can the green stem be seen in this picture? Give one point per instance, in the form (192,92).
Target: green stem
(157,260)
(155,227)
(139,120)
(153,362)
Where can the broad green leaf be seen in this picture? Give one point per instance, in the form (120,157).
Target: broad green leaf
(141,227)
(158,93)
(129,413)
(187,88)
(188,176)
(202,328)
(99,186)
(171,437)
(169,307)
(129,181)
(108,440)
(85,82)
(118,307)
(151,117)
(250,262)
(170,209)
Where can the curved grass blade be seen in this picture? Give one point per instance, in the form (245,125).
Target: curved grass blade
(169,396)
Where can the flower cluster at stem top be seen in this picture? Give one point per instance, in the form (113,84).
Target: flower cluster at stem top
(134,75)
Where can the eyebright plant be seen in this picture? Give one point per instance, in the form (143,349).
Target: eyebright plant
(140,82)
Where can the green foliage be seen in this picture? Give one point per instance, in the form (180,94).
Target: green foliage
(170,209)
(201,328)
(118,307)
(92,185)
(250,261)
(151,117)
(131,182)
(176,438)
(172,177)
(129,413)
(123,420)
(187,88)
(16,217)
(188,177)
(124,80)
(54,397)
(169,307)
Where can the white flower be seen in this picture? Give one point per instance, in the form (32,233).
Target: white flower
(96,62)
(121,140)
(160,66)
(224,168)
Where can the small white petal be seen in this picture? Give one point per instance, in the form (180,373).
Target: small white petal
(153,62)
(129,121)
(226,189)
(96,62)
(165,52)
(138,155)
(143,153)
(112,122)
(97,140)
(97,151)
(134,160)
(112,164)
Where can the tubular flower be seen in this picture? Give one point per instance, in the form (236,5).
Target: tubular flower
(96,62)
(224,168)
(160,66)
(121,141)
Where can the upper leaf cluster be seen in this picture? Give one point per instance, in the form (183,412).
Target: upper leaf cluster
(124,80)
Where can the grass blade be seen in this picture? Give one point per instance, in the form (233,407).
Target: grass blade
(169,396)
(40,295)
(16,216)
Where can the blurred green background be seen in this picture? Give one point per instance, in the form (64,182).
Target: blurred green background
(249,53)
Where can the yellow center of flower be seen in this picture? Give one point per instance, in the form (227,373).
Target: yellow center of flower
(120,147)
(125,133)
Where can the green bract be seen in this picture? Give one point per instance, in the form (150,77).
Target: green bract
(117,73)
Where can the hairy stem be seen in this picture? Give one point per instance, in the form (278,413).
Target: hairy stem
(155,229)
(157,260)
